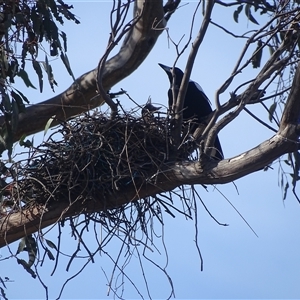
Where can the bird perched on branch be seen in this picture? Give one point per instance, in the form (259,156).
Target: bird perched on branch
(196,104)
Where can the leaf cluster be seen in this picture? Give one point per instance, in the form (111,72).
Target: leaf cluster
(24,26)
(260,6)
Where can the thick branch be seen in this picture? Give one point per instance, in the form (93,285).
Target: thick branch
(77,98)
(16,225)
(30,220)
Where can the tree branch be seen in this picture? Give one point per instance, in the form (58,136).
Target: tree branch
(274,64)
(35,218)
(77,98)
(179,103)
(16,225)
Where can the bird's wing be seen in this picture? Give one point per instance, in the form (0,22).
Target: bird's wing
(198,86)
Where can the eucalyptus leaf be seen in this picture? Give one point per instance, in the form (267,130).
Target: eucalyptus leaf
(48,124)
(39,73)
(23,74)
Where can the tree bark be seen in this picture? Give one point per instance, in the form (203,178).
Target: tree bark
(29,220)
(81,95)
(16,225)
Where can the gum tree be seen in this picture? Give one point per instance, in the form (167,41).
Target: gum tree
(109,181)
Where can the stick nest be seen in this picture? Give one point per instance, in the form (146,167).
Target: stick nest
(95,157)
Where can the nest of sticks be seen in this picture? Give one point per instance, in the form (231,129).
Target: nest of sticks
(97,156)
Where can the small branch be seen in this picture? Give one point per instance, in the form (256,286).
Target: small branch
(30,220)
(187,72)
(113,41)
(259,120)
(243,36)
(175,109)
(77,98)
(254,38)
(236,3)
(275,63)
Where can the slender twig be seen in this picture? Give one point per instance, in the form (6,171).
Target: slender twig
(271,66)
(178,104)
(114,38)
(259,120)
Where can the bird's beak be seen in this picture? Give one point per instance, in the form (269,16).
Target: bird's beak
(166,68)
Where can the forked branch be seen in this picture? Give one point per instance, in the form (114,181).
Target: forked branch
(30,220)
(77,98)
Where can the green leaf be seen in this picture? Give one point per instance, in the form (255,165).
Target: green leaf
(48,69)
(20,17)
(3,143)
(13,70)
(53,49)
(53,8)
(39,73)
(272,109)
(249,15)
(297,161)
(50,255)
(281,181)
(271,50)
(28,244)
(19,101)
(67,14)
(9,146)
(51,244)
(3,60)
(236,13)
(256,57)
(14,116)
(6,103)
(23,96)
(25,144)
(65,60)
(48,124)
(36,21)
(26,267)
(285,190)
(31,247)
(23,74)
(64,37)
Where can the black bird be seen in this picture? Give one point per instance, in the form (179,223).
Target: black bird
(196,104)
(148,110)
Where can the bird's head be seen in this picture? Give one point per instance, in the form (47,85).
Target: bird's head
(148,110)
(178,74)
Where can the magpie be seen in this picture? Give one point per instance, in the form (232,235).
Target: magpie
(196,104)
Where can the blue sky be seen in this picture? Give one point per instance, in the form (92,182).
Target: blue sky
(237,264)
